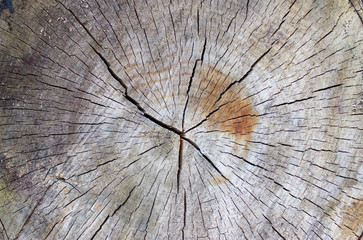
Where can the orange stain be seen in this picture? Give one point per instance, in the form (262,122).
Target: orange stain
(233,109)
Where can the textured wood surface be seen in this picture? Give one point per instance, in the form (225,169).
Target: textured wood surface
(181,119)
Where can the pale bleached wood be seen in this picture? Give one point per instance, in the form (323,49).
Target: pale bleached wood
(181,120)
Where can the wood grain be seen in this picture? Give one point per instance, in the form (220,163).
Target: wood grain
(181,119)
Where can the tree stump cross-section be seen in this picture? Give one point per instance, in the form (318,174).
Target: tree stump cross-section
(128,119)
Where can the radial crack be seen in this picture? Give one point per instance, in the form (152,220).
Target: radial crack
(180,162)
(132,100)
(185,214)
(116,77)
(191,80)
(4,229)
(243,77)
(225,90)
(205,156)
(207,117)
(79,21)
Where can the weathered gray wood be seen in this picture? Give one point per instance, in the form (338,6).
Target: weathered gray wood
(181,119)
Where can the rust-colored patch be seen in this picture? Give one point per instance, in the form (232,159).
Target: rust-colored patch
(218,180)
(352,219)
(225,102)
(237,118)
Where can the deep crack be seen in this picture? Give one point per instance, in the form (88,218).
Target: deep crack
(142,110)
